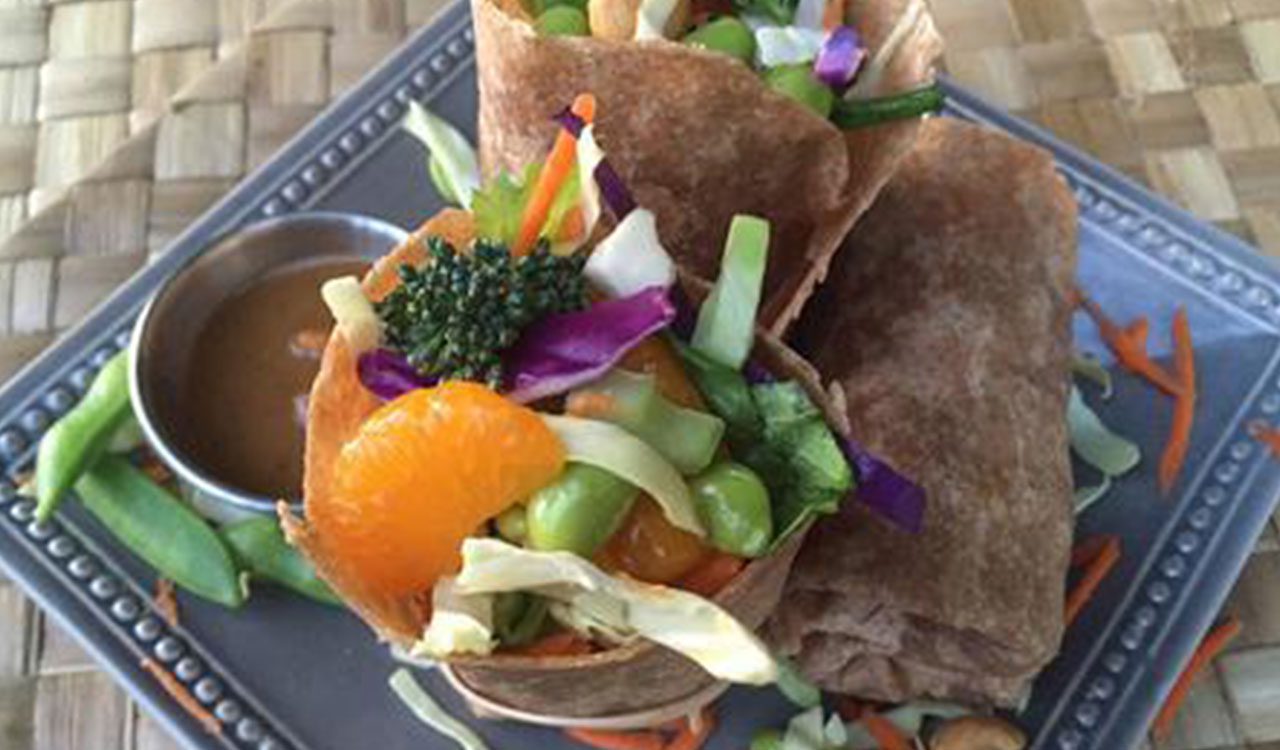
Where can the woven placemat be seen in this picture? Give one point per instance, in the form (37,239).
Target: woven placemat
(122,120)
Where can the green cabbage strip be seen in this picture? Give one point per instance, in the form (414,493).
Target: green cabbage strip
(432,714)
(1087,496)
(453,165)
(1095,443)
(609,447)
(1088,367)
(726,325)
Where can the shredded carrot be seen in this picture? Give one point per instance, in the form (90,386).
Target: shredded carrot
(1267,435)
(1088,550)
(182,696)
(555,171)
(563,643)
(693,733)
(712,574)
(1095,572)
(589,404)
(649,740)
(884,732)
(1184,408)
(1129,345)
(165,601)
(573,227)
(832,14)
(1205,653)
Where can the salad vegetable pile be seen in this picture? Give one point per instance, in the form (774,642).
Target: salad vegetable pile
(803,49)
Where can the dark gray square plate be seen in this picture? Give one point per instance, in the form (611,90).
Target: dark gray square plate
(283,673)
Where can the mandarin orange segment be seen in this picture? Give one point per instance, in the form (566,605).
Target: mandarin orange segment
(422,474)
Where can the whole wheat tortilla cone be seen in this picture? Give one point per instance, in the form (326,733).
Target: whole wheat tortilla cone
(947,327)
(622,680)
(699,137)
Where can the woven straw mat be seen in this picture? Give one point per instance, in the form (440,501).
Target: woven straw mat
(122,120)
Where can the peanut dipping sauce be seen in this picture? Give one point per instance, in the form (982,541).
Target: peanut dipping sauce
(243,397)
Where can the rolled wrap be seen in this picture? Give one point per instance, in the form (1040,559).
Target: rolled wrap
(946,324)
(699,137)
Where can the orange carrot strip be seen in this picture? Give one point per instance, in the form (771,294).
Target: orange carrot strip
(884,732)
(563,643)
(712,574)
(166,602)
(1205,653)
(1184,408)
(1095,573)
(692,735)
(832,14)
(1129,345)
(573,227)
(554,172)
(1088,550)
(1267,435)
(182,696)
(616,740)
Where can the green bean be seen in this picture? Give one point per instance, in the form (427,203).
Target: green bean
(727,35)
(513,524)
(861,113)
(799,83)
(161,530)
(734,504)
(259,548)
(518,617)
(562,20)
(579,511)
(75,442)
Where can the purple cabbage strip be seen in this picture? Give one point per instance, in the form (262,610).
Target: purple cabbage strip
(560,352)
(389,375)
(612,187)
(841,56)
(885,491)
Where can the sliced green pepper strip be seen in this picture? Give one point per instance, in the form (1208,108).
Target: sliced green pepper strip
(848,115)
(161,530)
(75,442)
(259,547)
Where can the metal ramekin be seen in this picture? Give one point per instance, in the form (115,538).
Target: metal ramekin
(164,331)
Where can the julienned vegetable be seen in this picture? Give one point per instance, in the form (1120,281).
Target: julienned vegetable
(617,451)
(76,441)
(688,438)
(631,258)
(726,326)
(430,713)
(353,313)
(579,511)
(161,530)
(561,352)
(453,162)
(841,55)
(883,489)
(388,374)
(1095,444)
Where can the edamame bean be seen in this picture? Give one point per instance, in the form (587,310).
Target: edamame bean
(798,82)
(580,511)
(734,506)
(161,530)
(562,20)
(513,524)
(259,546)
(767,739)
(75,442)
(725,34)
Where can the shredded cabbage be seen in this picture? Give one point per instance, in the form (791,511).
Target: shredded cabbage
(460,624)
(681,621)
(431,713)
(787,45)
(652,17)
(631,258)
(726,326)
(590,155)
(617,451)
(454,166)
(353,312)
(1086,497)
(1095,444)
(1088,367)
(908,717)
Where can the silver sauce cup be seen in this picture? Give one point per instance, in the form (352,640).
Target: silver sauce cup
(164,336)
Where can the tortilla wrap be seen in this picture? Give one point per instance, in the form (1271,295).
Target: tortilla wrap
(621,680)
(945,325)
(699,137)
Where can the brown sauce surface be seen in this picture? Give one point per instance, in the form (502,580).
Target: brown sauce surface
(244,394)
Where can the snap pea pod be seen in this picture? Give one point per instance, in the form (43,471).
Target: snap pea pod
(857,114)
(75,442)
(259,547)
(579,511)
(161,530)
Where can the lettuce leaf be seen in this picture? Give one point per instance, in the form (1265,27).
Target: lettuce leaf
(499,204)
